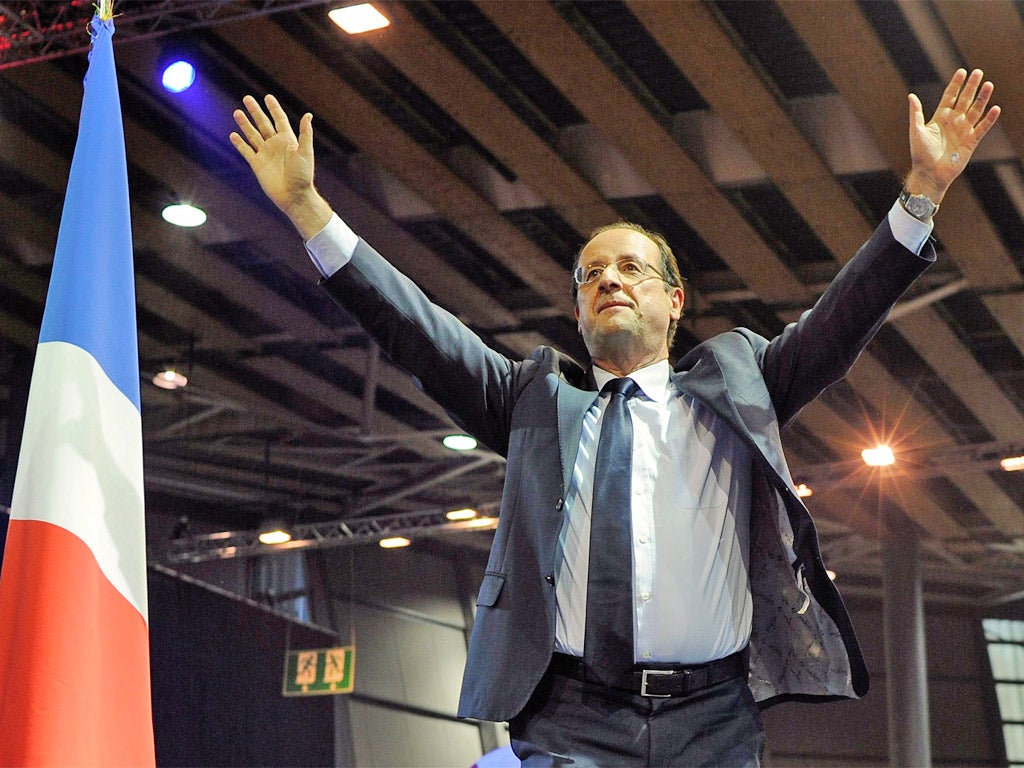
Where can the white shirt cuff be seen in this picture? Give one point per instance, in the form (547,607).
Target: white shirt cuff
(909,232)
(332,247)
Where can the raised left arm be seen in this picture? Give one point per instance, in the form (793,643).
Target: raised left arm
(819,349)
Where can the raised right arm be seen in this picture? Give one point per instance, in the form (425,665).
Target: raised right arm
(471,381)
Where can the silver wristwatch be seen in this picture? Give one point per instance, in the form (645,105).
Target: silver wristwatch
(920,207)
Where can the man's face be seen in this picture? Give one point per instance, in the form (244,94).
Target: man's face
(616,318)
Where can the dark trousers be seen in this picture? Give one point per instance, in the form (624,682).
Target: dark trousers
(568,722)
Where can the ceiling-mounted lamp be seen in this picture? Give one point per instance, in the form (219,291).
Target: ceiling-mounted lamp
(804,490)
(274,532)
(879,456)
(184,215)
(459,442)
(178,76)
(394,542)
(356,19)
(1012,463)
(170,378)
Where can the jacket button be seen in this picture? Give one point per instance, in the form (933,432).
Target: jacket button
(550,579)
(558,505)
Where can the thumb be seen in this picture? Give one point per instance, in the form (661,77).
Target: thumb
(306,136)
(916,112)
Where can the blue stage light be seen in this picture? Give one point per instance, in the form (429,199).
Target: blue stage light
(179,76)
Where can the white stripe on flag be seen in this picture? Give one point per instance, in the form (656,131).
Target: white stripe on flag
(81,464)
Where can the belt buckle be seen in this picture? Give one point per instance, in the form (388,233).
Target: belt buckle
(643,683)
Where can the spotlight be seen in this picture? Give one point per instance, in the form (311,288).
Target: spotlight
(184,215)
(170,379)
(1012,463)
(356,19)
(273,532)
(880,456)
(804,490)
(461,514)
(178,77)
(459,442)
(394,542)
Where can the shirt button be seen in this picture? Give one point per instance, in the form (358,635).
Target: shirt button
(643,539)
(645,655)
(645,595)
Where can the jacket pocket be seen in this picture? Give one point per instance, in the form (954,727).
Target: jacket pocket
(490,589)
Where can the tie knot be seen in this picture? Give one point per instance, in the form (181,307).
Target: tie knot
(624,386)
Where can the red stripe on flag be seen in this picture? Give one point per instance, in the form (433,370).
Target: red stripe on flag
(76,684)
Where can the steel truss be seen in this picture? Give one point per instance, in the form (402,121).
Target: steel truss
(41,30)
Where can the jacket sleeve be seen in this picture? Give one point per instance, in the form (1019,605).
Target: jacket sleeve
(822,345)
(470,380)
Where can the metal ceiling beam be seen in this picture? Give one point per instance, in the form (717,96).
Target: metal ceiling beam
(39,31)
(229,544)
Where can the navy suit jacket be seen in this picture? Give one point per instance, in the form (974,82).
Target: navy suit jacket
(802,644)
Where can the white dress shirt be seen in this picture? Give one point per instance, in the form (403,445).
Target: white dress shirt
(691,533)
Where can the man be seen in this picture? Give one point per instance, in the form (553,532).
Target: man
(654,580)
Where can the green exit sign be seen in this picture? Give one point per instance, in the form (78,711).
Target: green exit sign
(319,671)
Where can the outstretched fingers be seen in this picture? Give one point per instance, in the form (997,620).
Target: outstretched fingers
(965,98)
(281,122)
(982,128)
(977,108)
(952,90)
(245,125)
(256,129)
(248,153)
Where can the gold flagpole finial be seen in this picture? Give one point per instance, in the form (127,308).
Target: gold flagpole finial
(105,9)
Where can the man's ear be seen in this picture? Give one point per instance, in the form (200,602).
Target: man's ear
(576,314)
(678,299)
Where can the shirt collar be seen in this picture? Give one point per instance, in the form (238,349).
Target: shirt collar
(652,379)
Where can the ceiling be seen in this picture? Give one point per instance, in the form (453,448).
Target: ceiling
(476,144)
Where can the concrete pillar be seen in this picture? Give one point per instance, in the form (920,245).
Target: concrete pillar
(905,659)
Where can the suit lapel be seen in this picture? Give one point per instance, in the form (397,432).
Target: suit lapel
(573,404)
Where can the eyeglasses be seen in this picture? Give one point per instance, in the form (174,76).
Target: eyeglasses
(631,272)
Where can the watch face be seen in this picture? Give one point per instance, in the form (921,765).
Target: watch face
(920,206)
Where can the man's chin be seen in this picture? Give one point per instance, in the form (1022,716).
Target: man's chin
(610,336)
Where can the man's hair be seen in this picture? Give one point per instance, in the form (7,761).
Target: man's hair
(669,265)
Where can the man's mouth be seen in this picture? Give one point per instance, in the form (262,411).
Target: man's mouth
(612,304)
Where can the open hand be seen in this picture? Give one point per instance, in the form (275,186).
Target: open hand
(941,148)
(281,161)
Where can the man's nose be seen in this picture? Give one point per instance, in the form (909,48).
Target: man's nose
(610,278)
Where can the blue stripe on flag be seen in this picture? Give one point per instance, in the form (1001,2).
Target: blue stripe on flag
(91,299)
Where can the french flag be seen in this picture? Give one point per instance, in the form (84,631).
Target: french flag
(74,636)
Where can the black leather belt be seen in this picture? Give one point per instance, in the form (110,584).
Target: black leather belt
(661,680)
